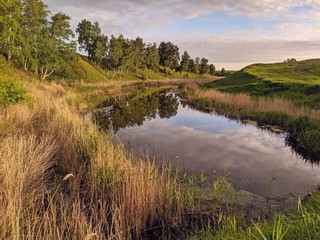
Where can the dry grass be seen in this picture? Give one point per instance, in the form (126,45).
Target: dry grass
(60,178)
(261,104)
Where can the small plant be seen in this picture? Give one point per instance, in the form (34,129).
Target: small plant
(220,188)
(11,93)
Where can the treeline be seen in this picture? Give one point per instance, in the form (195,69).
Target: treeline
(33,38)
(122,54)
(40,42)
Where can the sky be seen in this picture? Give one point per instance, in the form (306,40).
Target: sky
(230,33)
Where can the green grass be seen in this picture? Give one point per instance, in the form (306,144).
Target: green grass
(300,223)
(7,70)
(81,70)
(11,90)
(297,81)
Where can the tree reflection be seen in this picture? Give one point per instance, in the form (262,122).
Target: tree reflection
(168,106)
(117,113)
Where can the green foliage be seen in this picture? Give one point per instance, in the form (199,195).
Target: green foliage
(92,41)
(185,59)
(169,55)
(11,93)
(191,66)
(204,67)
(196,67)
(33,41)
(7,71)
(212,69)
(296,81)
(152,58)
(10,27)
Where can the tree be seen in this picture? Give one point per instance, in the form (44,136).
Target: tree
(204,67)
(138,54)
(223,71)
(10,27)
(191,66)
(169,55)
(57,48)
(212,69)
(115,52)
(100,49)
(152,58)
(185,58)
(290,60)
(92,41)
(34,33)
(196,68)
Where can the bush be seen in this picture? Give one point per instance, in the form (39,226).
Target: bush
(11,93)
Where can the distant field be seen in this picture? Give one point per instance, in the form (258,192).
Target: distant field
(297,81)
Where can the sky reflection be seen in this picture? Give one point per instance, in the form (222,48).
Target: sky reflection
(202,141)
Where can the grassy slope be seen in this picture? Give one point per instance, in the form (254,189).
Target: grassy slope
(84,71)
(298,82)
(81,71)
(7,71)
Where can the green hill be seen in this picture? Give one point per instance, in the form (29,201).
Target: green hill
(298,81)
(81,70)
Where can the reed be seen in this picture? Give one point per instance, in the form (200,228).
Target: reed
(261,104)
(61,178)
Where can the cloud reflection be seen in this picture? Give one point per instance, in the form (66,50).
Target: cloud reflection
(249,154)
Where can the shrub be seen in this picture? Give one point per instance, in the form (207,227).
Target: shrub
(11,93)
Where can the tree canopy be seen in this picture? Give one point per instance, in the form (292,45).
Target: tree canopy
(43,43)
(169,55)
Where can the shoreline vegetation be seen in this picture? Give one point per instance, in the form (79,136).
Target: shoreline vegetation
(61,177)
(297,115)
(75,182)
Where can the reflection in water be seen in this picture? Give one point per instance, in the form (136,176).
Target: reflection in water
(134,110)
(168,128)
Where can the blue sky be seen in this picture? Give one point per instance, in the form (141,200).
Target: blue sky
(230,33)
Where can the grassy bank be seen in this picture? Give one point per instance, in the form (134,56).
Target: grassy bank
(301,123)
(298,82)
(285,95)
(60,178)
(300,223)
(89,95)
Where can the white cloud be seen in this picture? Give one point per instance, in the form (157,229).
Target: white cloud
(290,34)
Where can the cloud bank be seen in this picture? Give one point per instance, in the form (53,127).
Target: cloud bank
(267,30)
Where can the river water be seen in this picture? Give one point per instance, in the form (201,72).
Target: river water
(166,128)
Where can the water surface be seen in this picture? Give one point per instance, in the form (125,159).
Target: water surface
(167,128)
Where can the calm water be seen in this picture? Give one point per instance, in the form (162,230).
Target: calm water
(168,129)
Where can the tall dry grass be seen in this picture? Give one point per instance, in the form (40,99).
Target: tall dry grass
(260,104)
(60,178)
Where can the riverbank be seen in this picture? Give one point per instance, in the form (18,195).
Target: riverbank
(61,177)
(89,95)
(303,134)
